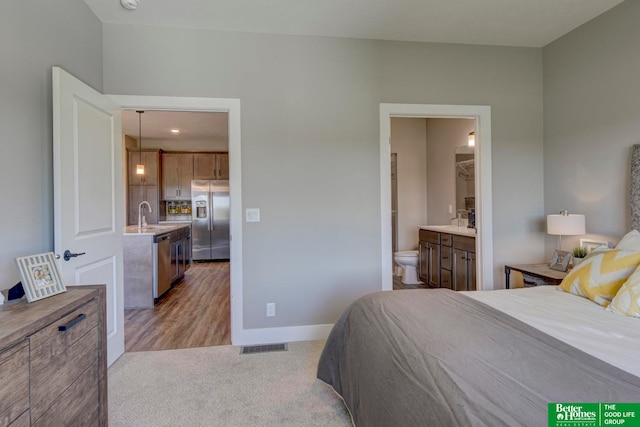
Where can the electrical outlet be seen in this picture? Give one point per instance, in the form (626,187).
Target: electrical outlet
(271,309)
(450,209)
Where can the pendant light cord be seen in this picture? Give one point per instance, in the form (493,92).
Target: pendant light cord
(140,132)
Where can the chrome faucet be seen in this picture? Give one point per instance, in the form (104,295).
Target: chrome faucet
(142,220)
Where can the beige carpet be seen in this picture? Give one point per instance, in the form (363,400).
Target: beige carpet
(217,386)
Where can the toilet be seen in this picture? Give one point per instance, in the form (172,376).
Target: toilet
(408,260)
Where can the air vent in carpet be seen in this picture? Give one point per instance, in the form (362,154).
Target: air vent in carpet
(264,348)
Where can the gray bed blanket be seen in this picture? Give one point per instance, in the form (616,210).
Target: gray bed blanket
(439,358)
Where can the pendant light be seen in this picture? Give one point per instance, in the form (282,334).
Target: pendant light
(140,165)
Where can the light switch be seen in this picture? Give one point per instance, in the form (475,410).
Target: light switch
(252,215)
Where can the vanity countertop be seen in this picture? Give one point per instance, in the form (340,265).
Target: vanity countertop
(451,229)
(153,229)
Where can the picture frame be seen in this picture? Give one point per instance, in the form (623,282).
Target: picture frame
(590,245)
(560,260)
(40,276)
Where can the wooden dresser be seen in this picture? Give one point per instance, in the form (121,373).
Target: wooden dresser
(53,361)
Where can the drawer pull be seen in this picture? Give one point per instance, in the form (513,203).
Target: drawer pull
(72,323)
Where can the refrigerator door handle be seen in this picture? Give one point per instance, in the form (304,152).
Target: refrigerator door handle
(212,227)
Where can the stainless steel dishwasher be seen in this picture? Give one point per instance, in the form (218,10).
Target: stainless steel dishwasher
(161,264)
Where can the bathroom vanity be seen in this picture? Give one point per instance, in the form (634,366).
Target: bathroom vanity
(447,257)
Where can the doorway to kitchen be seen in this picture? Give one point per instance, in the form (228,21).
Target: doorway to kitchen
(228,275)
(482,117)
(183,152)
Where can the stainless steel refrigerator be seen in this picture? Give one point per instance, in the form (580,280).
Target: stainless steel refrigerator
(210,226)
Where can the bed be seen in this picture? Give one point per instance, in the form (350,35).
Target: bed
(444,358)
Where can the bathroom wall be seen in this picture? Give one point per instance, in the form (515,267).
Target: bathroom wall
(443,136)
(408,140)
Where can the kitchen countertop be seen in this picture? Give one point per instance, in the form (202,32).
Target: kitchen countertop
(451,229)
(152,229)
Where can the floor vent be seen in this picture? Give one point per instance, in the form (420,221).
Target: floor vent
(264,348)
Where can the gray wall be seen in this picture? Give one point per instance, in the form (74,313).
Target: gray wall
(592,118)
(310,145)
(409,141)
(34,36)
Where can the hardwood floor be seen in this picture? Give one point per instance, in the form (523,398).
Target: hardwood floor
(194,313)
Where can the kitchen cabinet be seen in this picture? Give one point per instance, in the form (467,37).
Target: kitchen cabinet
(429,258)
(53,360)
(138,193)
(464,263)
(211,166)
(151,162)
(177,174)
(143,187)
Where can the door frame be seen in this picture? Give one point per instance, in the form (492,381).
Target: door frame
(482,116)
(232,107)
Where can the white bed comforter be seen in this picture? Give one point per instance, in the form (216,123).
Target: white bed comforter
(575,320)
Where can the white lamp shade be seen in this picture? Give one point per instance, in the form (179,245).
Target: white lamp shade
(566,225)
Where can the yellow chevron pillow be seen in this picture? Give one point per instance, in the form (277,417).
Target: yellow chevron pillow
(627,300)
(601,274)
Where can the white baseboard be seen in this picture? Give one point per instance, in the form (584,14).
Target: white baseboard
(282,335)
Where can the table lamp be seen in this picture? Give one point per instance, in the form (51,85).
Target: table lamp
(564,224)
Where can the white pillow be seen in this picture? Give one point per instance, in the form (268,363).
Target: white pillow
(630,241)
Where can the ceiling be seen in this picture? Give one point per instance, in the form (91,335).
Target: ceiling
(526,23)
(194,126)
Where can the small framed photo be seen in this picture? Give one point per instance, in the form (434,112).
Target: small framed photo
(40,276)
(590,245)
(560,260)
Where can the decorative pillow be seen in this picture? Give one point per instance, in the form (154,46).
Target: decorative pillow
(627,300)
(630,241)
(601,274)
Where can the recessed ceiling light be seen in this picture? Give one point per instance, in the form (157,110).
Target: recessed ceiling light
(175,130)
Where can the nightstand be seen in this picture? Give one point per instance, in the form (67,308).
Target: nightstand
(540,271)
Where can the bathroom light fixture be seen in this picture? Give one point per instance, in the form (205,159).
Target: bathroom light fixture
(565,224)
(472,139)
(130,4)
(175,130)
(140,165)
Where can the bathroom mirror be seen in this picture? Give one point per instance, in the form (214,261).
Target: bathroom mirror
(465,178)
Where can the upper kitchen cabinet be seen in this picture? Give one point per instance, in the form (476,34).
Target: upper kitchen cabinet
(150,160)
(177,173)
(211,166)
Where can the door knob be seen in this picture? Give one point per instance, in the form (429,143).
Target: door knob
(68,254)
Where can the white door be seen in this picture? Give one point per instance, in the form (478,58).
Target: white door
(88,194)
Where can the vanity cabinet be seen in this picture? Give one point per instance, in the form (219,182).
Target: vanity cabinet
(429,258)
(464,263)
(446,256)
(53,360)
(211,166)
(447,260)
(177,173)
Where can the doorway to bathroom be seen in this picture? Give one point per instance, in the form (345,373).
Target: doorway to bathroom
(432,183)
(481,116)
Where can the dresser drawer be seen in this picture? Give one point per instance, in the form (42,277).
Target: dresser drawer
(14,383)
(59,357)
(78,405)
